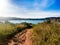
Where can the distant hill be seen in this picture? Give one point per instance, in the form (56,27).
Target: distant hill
(15,18)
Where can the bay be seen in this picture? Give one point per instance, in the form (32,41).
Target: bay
(28,21)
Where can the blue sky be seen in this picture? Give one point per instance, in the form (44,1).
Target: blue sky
(47,4)
(30,8)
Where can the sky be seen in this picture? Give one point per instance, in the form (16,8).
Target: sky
(30,8)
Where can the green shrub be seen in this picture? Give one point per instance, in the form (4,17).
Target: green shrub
(46,34)
(5,30)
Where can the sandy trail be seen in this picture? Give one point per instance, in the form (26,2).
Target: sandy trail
(28,40)
(21,38)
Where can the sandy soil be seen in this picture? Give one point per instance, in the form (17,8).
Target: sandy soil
(21,38)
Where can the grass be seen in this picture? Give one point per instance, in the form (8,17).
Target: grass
(46,34)
(5,30)
(8,30)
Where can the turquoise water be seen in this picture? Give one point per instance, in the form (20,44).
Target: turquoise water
(28,21)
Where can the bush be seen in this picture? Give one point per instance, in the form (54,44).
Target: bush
(5,30)
(46,34)
(22,26)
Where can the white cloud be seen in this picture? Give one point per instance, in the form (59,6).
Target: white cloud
(43,4)
(9,10)
(3,7)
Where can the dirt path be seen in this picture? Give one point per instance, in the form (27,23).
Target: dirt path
(28,40)
(22,38)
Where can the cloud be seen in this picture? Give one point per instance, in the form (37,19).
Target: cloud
(3,7)
(33,4)
(10,10)
(26,13)
(43,3)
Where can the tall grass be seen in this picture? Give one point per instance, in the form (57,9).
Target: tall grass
(5,30)
(46,34)
(8,30)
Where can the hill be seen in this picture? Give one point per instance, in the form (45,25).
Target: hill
(16,18)
(45,33)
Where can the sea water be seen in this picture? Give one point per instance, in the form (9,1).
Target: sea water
(28,21)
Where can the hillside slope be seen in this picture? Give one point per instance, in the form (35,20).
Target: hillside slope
(46,33)
(22,38)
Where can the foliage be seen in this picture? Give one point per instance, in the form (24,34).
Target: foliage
(5,30)
(8,30)
(46,34)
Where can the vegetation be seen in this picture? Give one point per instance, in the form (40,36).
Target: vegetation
(5,30)
(46,33)
(8,30)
